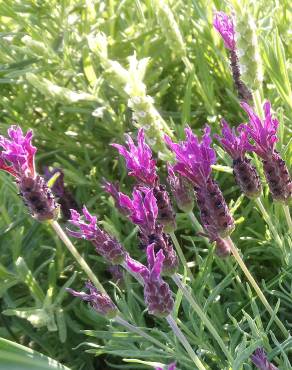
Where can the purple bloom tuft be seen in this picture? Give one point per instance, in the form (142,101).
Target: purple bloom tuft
(194,158)
(143,209)
(166,215)
(235,145)
(263,132)
(101,302)
(17,158)
(139,159)
(224,25)
(259,358)
(157,293)
(105,245)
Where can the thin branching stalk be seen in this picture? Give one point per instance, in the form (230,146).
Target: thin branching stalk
(202,315)
(82,263)
(136,330)
(268,220)
(181,255)
(197,226)
(256,287)
(288,217)
(180,336)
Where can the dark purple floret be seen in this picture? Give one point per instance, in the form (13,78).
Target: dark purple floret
(182,190)
(157,294)
(105,245)
(166,215)
(222,247)
(236,145)
(264,134)
(214,212)
(101,302)
(259,358)
(17,158)
(117,274)
(139,160)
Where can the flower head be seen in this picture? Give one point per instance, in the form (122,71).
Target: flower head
(235,145)
(101,302)
(105,245)
(143,209)
(224,25)
(262,131)
(259,358)
(139,159)
(157,294)
(194,158)
(17,156)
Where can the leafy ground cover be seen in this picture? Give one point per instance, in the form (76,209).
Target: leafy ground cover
(70,70)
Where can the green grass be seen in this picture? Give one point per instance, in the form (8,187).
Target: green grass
(44,44)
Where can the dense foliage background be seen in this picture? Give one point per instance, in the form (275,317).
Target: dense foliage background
(56,80)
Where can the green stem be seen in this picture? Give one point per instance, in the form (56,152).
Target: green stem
(180,336)
(202,315)
(257,101)
(268,220)
(181,255)
(80,260)
(288,217)
(198,228)
(136,330)
(256,287)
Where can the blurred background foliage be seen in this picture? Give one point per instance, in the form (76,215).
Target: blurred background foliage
(65,72)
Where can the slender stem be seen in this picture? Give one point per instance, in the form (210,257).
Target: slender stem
(180,336)
(202,315)
(257,102)
(198,227)
(288,217)
(140,332)
(181,255)
(256,287)
(268,220)
(82,263)
(136,276)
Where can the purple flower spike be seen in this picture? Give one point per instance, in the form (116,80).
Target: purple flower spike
(139,159)
(236,146)
(259,358)
(17,158)
(194,158)
(224,25)
(18,152)
(263,132)
(105,245)
(101,302)
(157,293)
(169,367)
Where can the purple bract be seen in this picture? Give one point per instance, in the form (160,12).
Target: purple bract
(17,156)
(194,158)
(262,131)
(224,25)
(235,145)
(139,159)
(169,367)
